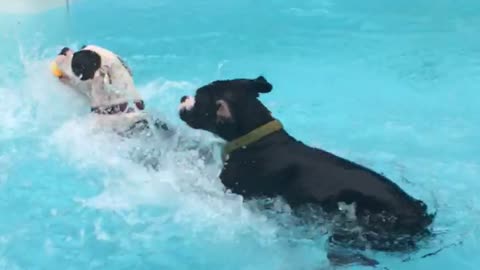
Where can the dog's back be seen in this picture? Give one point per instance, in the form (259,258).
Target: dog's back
(380,204)
(280,165)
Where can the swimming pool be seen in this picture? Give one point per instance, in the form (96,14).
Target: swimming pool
(390,85)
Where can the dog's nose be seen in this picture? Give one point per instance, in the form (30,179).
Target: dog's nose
(183,99)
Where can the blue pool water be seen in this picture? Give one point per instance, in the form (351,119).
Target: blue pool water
(390,84)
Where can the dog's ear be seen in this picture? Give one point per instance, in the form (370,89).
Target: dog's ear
(261,85)
(64,51)
(223,111)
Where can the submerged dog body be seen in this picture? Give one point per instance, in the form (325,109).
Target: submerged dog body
(265,161)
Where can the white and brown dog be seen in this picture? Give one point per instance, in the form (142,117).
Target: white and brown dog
(107,82)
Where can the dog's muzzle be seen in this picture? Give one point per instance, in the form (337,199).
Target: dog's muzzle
(186,103)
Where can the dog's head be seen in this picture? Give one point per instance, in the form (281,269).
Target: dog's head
(80,65)
(228,108)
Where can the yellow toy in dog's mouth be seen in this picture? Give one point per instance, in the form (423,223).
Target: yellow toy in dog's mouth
(55,70)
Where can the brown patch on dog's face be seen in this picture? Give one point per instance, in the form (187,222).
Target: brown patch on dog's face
(85,63)
(82,64)
(217,106)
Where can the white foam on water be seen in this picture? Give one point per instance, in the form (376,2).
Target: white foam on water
(37,102)
(126,184)
(185,186)
(14,115)
(38,107)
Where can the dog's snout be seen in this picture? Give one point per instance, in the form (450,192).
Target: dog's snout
(187,103)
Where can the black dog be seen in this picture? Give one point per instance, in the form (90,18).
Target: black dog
(263,160)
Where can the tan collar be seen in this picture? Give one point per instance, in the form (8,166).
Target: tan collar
(251,137)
